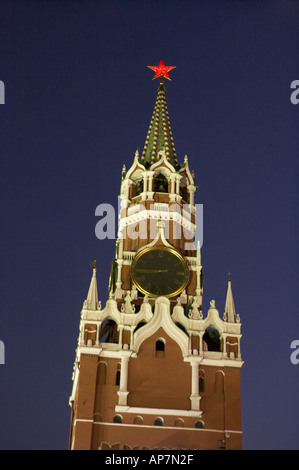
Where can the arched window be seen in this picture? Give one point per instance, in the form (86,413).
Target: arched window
(139,186)
(201,381)
(212,339)
(199,424)
(97,417)
(138,420)
(109,333)
(160,184)
(90,335)
(219,382)
(117,377)
(158,422)
(179,423)
(160,348)
(117,419)
(184,193)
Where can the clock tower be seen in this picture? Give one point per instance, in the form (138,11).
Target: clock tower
(151,370)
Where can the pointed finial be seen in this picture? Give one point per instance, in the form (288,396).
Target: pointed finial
(92,302)
(229,309)
(94,264)
(229,279)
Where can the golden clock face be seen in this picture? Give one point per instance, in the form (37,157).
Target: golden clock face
(160,271)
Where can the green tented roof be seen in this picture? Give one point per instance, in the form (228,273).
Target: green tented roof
(159,135)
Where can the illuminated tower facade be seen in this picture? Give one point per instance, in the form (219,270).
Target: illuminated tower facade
(151,370)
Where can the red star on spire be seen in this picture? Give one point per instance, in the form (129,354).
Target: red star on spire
(161,70)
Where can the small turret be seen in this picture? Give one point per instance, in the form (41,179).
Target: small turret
(92,302)
(229,309)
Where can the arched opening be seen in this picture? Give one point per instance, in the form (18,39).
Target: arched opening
(136,187)
(199,424)
(117,419)
(97,417)
(219,383)
(158,422)
(179,423)
(109,333)
(89,335)
(211,338)
(160,184)
(184,193)
(138,420)
(139,186)
(117,377)
(160,348)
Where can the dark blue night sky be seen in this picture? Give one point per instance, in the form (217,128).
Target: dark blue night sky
(78,103)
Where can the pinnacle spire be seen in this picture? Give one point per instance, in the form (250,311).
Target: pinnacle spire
(198,255)
(229,310)
(159,136)
(92,302)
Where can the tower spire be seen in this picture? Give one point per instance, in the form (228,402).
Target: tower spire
(159,136)
(92,301)
(229,310)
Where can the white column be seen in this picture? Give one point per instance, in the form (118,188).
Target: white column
(144,174)
(150,180)
(191,190)
(123,387)
(98,333)
(198,288)
(118,290)
(223,344)
(172,179)
(239,348)
(195,398)
(178,196)
(177,189)
(201,333)
(82,333)
(126,188)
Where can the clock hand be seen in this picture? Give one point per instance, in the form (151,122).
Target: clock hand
(151,271)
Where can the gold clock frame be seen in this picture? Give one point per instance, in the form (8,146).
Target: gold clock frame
(159,248)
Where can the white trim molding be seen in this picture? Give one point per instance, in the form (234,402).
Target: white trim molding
(158,411)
